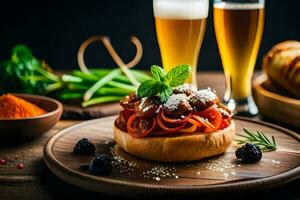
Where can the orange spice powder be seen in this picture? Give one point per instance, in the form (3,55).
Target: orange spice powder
(12,107)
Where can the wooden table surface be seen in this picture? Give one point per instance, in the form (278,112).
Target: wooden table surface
(35,180)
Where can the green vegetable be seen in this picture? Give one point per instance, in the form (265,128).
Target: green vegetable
(259,139)
(112,91)
(101,82)
(101,100)
(67,95)
(70,78)
(123,86)
(26,74)
(87,77)
(162,83)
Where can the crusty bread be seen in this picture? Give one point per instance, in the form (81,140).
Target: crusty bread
(177,148)
(282,65)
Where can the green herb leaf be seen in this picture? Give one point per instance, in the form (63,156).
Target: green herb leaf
(149,88)
(158,73)
(21,53)
(177,75)
(163,83)
(258,138)
(166,93)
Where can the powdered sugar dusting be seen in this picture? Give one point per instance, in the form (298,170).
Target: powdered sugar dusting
(142,103)
(206,95)
(185,87)
(174,100)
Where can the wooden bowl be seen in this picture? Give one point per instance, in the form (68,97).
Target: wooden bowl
(28,128)
(274,103)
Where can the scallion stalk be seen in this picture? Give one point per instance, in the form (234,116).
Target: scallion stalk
(71,78)
(86,76)
(129,88)
(103,99)
(70,95)
(90,92)
(112,91)
(54,86)
(77,86)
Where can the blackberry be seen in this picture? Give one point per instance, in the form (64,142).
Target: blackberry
(249,153)
(100,165)
(238,152)
(84,147)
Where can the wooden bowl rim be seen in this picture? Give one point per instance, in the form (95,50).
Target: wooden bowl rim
(257,85)
(56,111)
(276,180)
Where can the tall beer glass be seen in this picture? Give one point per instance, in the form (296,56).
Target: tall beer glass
(180,27)
(239,28)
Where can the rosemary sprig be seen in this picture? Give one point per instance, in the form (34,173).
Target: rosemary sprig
(258,138)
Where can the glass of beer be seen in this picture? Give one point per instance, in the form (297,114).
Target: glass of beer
(180,27)
(239,27)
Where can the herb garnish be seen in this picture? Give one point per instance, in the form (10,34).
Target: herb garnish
(162,83)
(259,139)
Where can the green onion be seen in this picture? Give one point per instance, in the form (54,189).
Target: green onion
(90,92)
(67,95)
(129,88)
(86,76)
(77,86)
(70,78)
(54,86)
(112,91)
(103,99)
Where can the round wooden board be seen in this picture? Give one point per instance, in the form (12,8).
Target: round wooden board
(135,177)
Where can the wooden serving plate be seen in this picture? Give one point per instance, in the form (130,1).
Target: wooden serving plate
(274,103)
(132,176)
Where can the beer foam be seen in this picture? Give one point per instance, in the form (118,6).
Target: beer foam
(239,6)
(179,9)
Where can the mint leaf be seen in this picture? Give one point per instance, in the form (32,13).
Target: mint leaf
(166,93)
(149,88)
(177,75)
(158,73)
(163,83)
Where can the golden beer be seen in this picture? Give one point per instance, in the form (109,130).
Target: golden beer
(180,27)
(238,29)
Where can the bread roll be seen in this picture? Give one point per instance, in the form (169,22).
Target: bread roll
(181,148)
(282,65)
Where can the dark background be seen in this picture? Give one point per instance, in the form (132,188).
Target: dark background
(55,30)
